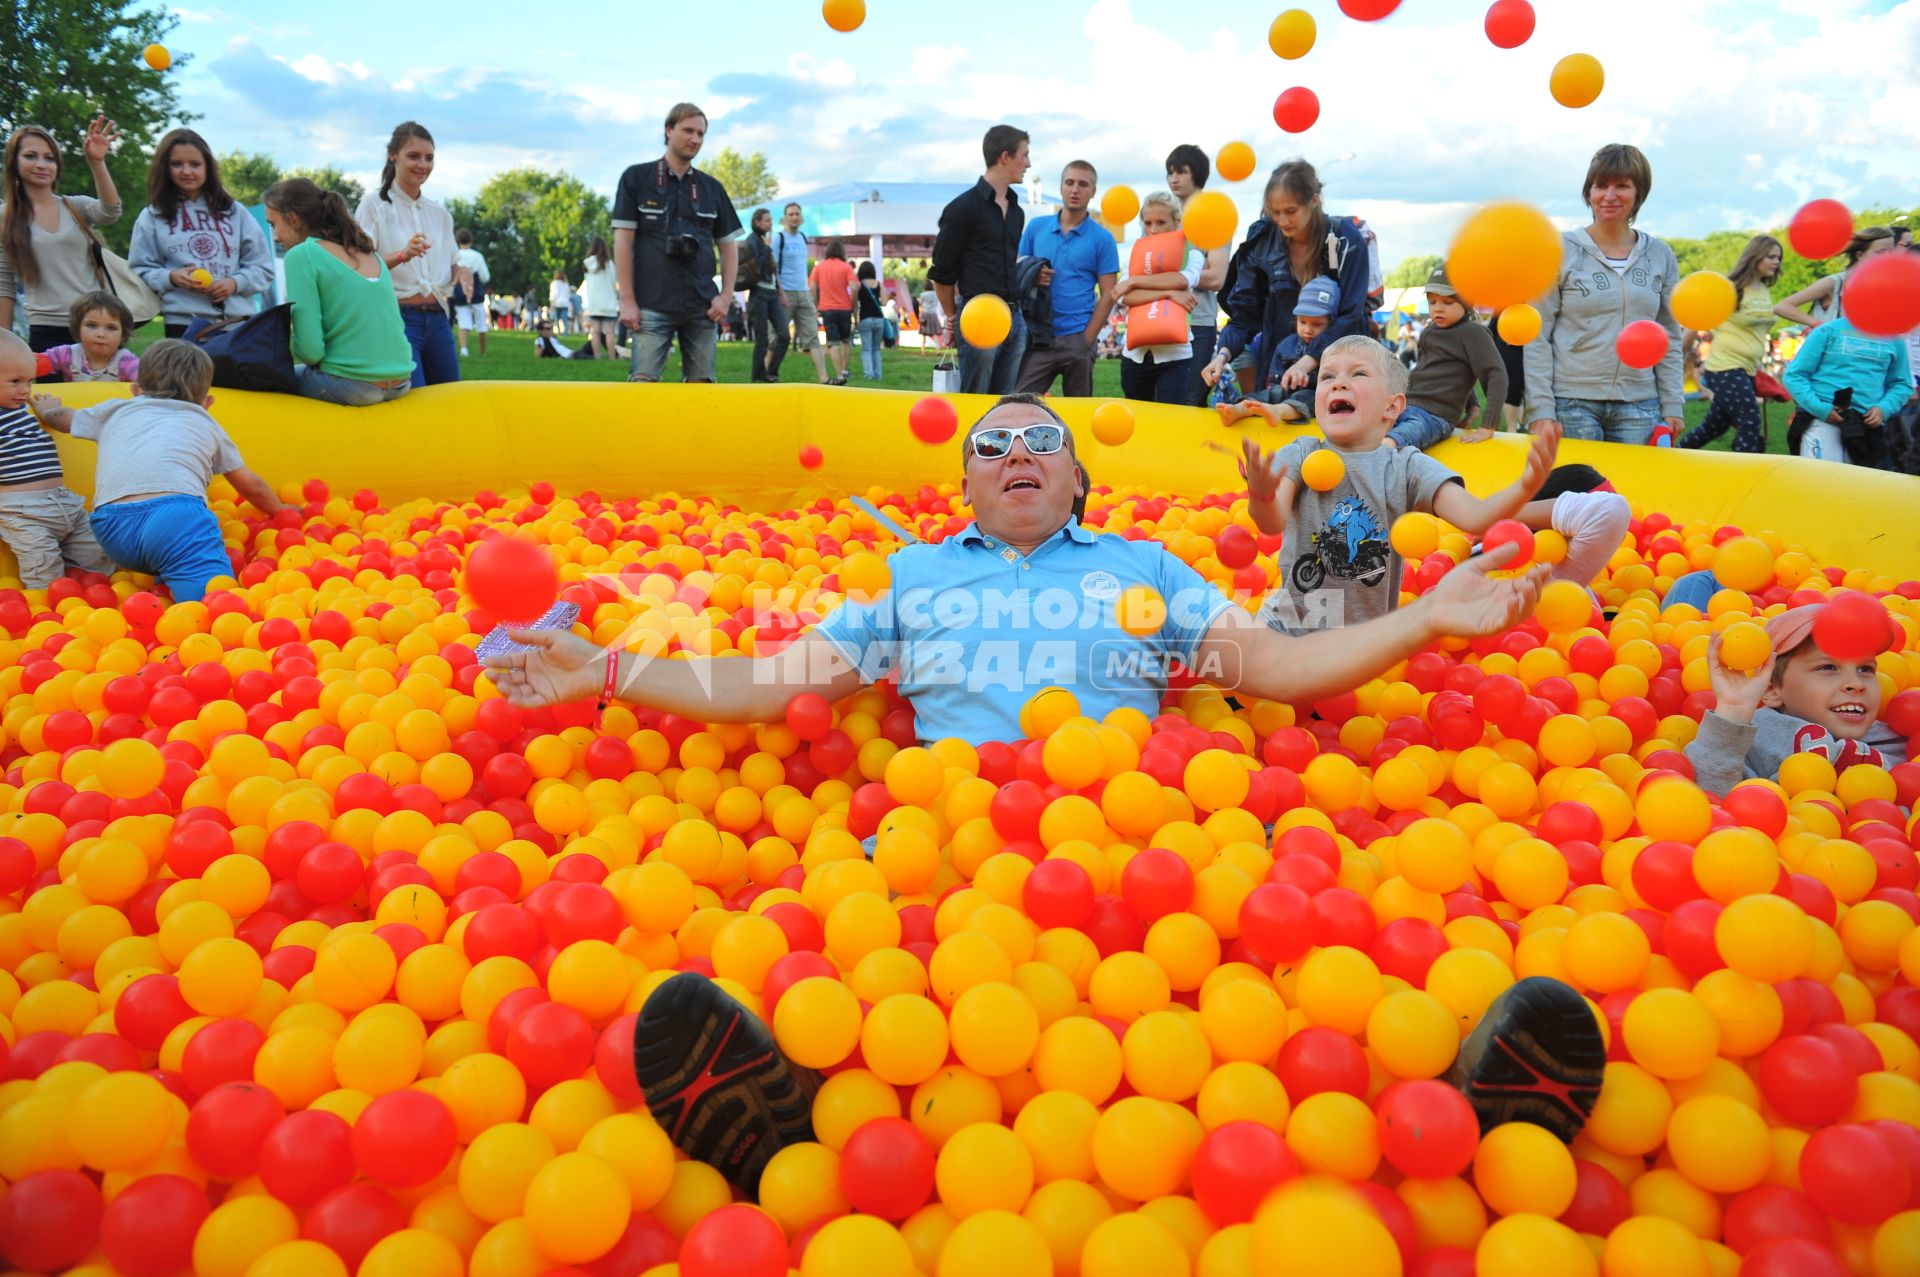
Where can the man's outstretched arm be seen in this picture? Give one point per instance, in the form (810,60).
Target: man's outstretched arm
(1468,603)
(559,666)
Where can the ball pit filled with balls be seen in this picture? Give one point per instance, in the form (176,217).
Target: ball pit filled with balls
(318,957)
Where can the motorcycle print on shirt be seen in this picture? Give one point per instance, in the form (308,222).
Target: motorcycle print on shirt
(1353,546)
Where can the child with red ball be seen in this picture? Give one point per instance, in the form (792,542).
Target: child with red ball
(1802,699)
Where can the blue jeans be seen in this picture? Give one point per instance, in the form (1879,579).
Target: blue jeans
(436,358)
(1153,382)
(328,388)
(1693,589)
(1609,420)
(174,538)
(1418,428)
(873,340)
(994,371)
(1204,337)
(699,339)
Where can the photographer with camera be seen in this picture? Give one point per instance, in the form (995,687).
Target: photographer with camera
(668,219)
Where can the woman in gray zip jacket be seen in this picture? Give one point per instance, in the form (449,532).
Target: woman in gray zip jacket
(1610,276)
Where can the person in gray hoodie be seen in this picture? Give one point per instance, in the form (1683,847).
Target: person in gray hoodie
(1610,276)
(1799,700)
(194,244)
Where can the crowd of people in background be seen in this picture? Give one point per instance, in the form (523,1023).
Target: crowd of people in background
(390,296)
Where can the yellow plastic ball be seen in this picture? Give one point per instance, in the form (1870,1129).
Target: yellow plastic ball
(1577,80)
(1113,423)
(1323,470)
(1292,34)
(1313,1226)
(1505,254)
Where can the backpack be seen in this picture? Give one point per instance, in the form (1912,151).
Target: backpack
(1034,301)
(747,271)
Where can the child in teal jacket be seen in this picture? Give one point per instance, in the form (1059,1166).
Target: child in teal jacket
(1868,376)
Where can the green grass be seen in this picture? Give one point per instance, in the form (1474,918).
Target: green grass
(510,357)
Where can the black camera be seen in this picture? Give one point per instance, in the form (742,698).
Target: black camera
(683,248)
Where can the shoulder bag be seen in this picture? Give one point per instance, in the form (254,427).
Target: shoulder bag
(114,274)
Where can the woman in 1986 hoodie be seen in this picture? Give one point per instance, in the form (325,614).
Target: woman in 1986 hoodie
(1574,375)
(194,244)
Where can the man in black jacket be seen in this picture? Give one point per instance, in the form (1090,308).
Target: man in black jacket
(973,256)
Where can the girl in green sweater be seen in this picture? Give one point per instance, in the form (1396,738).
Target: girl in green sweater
(349,344)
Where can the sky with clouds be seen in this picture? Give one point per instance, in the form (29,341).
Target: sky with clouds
(1746,108)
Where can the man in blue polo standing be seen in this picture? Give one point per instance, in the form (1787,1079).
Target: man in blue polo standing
(1085,264)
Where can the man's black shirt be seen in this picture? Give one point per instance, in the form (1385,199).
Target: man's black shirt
(977,244)
(658,206)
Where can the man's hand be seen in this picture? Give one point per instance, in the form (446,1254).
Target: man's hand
(630,316)
(717,308)
(1046,276)
(1262,470)
(1540,457)
(1737,694)
(1468,603)
(559,666)
(1299,373)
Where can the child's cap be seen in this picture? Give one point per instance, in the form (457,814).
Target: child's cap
(1439,283)
(1792,627)
(1319,296)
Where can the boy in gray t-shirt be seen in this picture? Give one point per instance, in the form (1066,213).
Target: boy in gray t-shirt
(1337,565)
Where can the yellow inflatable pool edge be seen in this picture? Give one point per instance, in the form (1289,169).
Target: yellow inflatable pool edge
(741,444)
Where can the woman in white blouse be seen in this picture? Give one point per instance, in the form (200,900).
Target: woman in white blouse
(560,298)
(414,237)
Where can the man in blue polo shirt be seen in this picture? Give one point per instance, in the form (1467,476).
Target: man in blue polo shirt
(1085,266)
(1024,598)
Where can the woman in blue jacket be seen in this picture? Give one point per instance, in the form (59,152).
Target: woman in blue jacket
(1295,242)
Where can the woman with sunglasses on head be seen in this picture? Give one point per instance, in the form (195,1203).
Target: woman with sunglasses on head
(414,238)
(193,244)
(43,248)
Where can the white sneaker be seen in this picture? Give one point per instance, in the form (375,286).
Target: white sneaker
(463,354)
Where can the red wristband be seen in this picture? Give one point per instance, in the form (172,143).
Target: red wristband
(611,685)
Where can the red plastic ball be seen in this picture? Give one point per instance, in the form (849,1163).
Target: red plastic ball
(1767,1211)
(1156,883)
(1320,1059)
(228,1125)
(1509,23)
(1820,229)
(1852,626)
(1510,532)
(1642,344)
(1600,1201)
(403,1138)
(348,1221)
(1236,1166)
(1296,109)
(1276,921)
(148,1230)
(1427,1129)
(149,1009)
(1235,547)
(512,578)
(1368,10)
(1058,893)
(886,1168)
(1882,297)
(811,457)
(734,1241)
(1808,1080)
(306,1156)
(1791,1257)
(1853,1174)
(550,1043)
(49,1220)
(221,1052)
(932,419)
(613,1059)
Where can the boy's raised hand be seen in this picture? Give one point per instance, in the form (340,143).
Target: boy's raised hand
(1540,457)
(1737,693)
(1262,470)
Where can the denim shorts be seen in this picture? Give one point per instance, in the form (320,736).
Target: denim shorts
(698,341)
(1609,420)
